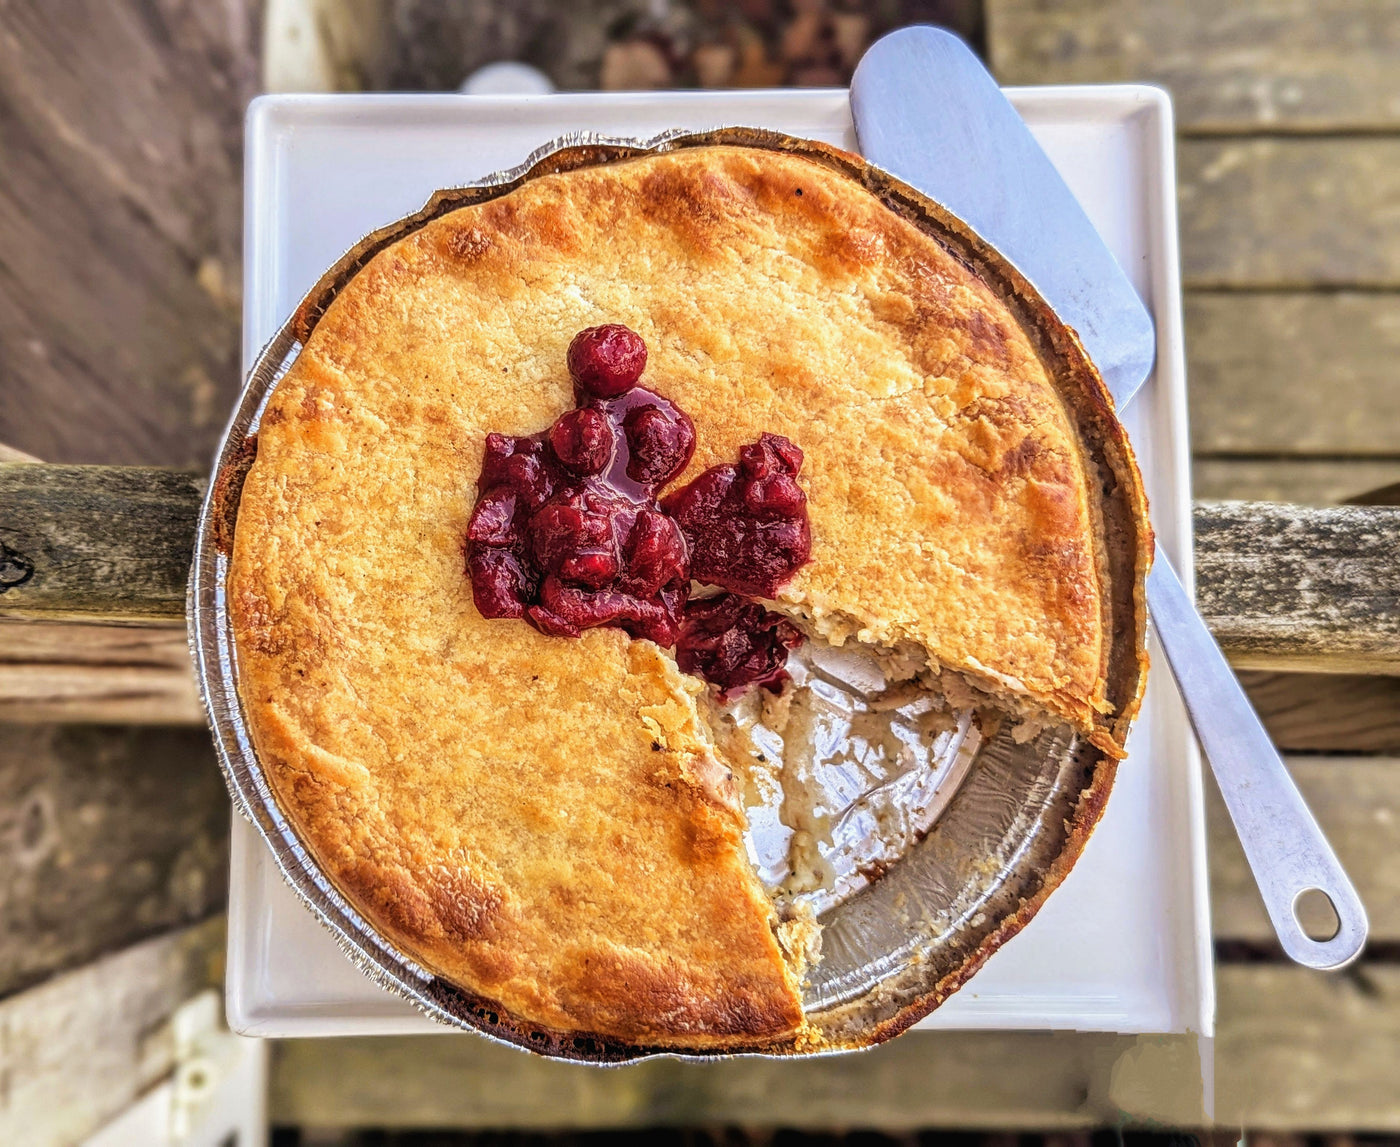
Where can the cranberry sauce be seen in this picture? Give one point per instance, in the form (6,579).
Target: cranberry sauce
(747,524)
(567,532)
(732,641)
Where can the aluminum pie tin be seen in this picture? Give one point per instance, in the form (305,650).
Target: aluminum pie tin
(1001,839)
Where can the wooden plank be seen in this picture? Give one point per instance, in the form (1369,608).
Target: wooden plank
(115,674)
(120,219)
(80,1048)
(1294,372)
(1327,712)
(1246,64)
(1357,802)
(107,836)
(1295,1050)
(99,542)
(1300,1050)
(1281,212)
(1286,587)
(922,1079)
(1282,587)
(1305,481)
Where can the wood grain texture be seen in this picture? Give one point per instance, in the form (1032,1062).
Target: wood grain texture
(98,542)
(1290,212)
(78,1049)
(1285,587)
(1304,1050)
(1357,802)
(1282,587)
(923,1079)
(1327,712)
(1272,64)
(113,674)
(120,232)
(1305,481)
(1295,1050)
(107,835)
(1294,373)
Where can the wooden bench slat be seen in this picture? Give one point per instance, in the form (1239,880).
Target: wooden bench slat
(1245,64)
(1335,713)
(1302,481)
(1285,212)
(1282,587)
(107,835)
(1357,802)
(105,542)
(1294,372)
(1006,1080)
(120,222)
(1288,587)
(78,1049)
(1295,1050)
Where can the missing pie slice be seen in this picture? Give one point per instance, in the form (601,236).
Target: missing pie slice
(550,823)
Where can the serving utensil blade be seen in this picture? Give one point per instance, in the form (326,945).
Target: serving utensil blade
(928,111)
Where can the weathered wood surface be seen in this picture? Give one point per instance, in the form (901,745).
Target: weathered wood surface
(1006,1080)
(99,542)
(1267,64)
(1282,587)
(1295,1050)
(107,836)
(1285,587)
(1304,481)
(1290,212)
(1357,802)
(1304,1050)
(113,674)
(121,128)
(78,1049)
(1328,712)
(1294,373)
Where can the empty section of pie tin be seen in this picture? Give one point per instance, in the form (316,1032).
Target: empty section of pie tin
(1005,830)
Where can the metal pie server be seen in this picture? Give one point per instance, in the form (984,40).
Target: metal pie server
(927,111)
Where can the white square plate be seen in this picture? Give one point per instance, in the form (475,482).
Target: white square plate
(1124,944)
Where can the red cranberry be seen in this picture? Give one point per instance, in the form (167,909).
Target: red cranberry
(734,643)
(582,439)
(747,525)
(572,523)
(493,520)
(520,464)
(659,444)
(566,610)
(501,585)
(656,554)
(607,361)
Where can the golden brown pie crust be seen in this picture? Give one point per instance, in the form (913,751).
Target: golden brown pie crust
(544,821)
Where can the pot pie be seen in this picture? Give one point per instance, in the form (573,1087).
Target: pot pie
(545,817)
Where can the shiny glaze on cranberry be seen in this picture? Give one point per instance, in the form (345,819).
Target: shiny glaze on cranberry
(747,524)
(565,537)
(567,533)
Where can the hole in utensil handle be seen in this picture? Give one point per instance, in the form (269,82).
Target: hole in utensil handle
(1316,915)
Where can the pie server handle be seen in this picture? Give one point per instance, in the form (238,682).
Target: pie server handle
(1283,843)
(926,110)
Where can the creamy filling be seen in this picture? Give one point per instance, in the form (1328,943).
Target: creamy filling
(842,772)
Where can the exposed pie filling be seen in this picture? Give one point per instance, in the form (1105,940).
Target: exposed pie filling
(568,532)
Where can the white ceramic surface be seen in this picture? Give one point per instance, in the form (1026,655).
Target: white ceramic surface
(1124,944)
